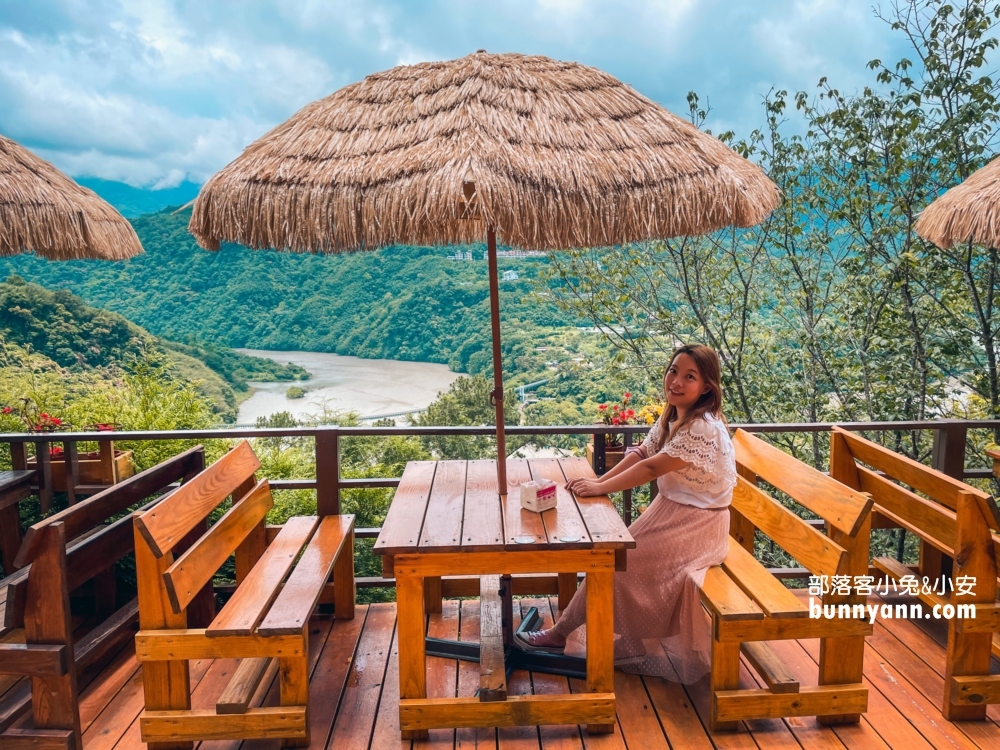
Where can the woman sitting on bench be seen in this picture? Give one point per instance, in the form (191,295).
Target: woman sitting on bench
(682,533)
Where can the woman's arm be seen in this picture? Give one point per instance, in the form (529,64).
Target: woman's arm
(628,460)
(636,473)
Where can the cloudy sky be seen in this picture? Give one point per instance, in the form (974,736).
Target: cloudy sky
(152,92)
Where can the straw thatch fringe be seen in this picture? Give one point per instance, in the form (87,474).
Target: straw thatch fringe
(560,155)
(42,209)
(969,212)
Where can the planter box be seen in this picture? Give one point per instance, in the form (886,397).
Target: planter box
(92,469)
(995,455)
(611,456)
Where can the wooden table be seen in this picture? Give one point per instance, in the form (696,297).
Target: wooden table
(15,486)
(447,518)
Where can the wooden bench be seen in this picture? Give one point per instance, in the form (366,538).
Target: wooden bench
(266,619)
(70,551)
(955,523)
(15,486)
(749,606)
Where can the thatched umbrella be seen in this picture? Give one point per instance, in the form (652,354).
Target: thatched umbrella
(968,212)
(546,154)
(43,210)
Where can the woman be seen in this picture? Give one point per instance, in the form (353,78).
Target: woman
(660,626)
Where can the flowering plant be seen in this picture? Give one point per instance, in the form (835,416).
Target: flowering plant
(649,413)
(620,413)
(33,419)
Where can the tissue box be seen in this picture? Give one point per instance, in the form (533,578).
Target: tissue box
(538,496)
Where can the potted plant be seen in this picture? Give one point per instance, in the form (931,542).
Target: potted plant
(620,413)
(101,467)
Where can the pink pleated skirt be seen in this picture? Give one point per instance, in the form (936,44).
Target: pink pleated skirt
(660,626)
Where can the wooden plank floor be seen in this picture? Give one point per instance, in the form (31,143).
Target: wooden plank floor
(355,693)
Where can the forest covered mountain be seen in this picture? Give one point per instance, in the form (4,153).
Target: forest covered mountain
(80,338)
(404,303)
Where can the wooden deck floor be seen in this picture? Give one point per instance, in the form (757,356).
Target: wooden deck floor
(355,692)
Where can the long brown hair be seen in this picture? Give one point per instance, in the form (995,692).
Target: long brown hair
(707,362)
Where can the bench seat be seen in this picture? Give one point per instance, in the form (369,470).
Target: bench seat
(265,622)
(750,607)
(947,515)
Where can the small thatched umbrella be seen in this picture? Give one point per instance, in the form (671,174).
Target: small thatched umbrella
(43,210)
(548,154)
(969,212)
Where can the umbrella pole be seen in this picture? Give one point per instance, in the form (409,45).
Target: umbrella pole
(496,397)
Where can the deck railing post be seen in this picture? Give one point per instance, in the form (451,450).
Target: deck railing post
(627,494)
(43,462)
(600,454)
(72,461)
(327,471)
(948,457)
(18,457)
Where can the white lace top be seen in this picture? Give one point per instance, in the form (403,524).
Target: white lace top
(709,480)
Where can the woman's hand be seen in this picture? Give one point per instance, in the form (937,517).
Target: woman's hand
(585,487)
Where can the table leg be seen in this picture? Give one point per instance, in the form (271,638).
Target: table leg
(410,634)
(600,639)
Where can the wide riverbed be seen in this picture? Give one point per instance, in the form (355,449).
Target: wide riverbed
(370,387)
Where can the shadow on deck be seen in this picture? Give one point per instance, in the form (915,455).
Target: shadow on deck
(355,693)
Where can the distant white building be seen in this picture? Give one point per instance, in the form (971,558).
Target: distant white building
(509,276)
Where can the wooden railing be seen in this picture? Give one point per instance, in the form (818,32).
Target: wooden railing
(950,439)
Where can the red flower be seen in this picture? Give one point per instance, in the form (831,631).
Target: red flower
(55,450)
(602,407)
(8,409)
(105,427)
(615,407)
(627,396)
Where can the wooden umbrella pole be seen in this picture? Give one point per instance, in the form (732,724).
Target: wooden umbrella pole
(496,397)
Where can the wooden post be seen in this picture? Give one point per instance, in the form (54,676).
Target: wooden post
(841,660)
(412,647)
(344,589)
(496,397)
(600,639)
(627,494)
(948,457)
(293,686)
(18,457)
(741,528)
(44,463)
(600,454)
(71,460)
(166,684)
(47,621)
(328,472)
(725,676)
(107,454)
(969,653)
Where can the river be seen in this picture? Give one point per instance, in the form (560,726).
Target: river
(370,387)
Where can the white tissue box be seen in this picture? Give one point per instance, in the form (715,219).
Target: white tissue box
(538,496)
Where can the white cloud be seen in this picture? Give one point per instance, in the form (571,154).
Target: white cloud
(154,91)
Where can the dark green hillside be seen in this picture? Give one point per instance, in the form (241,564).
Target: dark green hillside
(406,303)
(60,326)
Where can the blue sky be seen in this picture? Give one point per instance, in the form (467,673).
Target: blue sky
(152,92)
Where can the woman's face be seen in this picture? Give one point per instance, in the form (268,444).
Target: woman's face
(683,384)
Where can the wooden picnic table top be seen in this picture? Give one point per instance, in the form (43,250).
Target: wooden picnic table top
(454,506)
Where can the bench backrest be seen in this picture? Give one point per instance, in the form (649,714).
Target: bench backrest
(933,518)
(845,510)
(186,572)
(91,546)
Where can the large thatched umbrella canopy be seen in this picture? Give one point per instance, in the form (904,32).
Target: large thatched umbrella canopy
(43,210)
(969,212)
(545,154)
(560,154)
